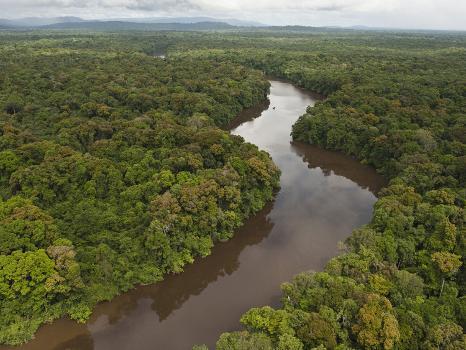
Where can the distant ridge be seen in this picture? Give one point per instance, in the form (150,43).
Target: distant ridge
(68,21)
(121,25)
(37,21)
(181,24)
(230,21)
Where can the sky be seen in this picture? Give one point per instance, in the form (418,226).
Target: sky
(409,14)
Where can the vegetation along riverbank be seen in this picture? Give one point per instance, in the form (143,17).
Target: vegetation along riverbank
(114,172)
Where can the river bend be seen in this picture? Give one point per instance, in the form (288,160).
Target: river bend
(323,197)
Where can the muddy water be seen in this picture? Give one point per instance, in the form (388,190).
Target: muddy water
(323,196)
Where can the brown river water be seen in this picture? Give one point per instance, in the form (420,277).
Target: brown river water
(324,195)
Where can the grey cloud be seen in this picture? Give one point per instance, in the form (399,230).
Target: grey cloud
(448,14)
(48,3)
(331,8)
(163,5)
(132,5)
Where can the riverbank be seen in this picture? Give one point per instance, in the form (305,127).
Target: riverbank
(288,236)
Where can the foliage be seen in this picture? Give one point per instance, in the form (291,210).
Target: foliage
(394,101)
(114,172)
(118,153)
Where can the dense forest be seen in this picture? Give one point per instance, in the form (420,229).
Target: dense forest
(398,104)
(114,172)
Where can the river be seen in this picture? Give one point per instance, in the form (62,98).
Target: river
(324,195)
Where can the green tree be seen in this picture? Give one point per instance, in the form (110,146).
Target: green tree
(376,327)
(447,263)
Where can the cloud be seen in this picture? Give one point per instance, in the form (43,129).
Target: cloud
(446,14)
(330,8)
(164,5)
(47,3)
(201,5)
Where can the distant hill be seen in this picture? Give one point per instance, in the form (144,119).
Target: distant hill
(230,21)
(37,21)
(121,25)
(6,23)
(76,22)
(176,23)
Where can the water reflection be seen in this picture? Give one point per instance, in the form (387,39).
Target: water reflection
(249,114)
(80,342)
(171,294)
(323,196)
(334,163)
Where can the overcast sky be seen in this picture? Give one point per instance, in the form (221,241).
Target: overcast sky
(435,14)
